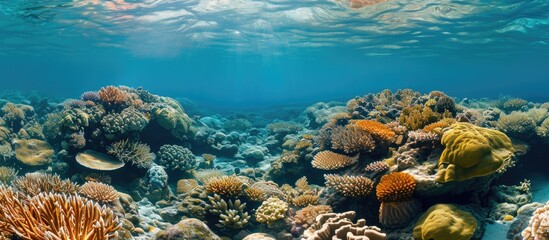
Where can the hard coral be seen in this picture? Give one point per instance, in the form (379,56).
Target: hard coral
(328,160)
(418,116)
(225,185)
(99,192)
(112,96)
(231,214)
(376,129)
(271,210)
(340,226)
(33,184)
(174,157)
(349,186)
(33,152)
(136,153)
(445,221)
(538,226)
(351,139)
(472,151)
(395,187)
(306,216)
(56,216)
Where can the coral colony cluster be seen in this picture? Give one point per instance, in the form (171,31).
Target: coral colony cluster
(122,163)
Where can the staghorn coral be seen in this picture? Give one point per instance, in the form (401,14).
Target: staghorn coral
(472,151)
(395,187)
(340,226)
(376,168)
(56,216)
(445,221)
(349,186)
(305,200)
(225,185)
(174,157)
(231,214)
(538,226)
(255,194)
(376,129)
(99,192)
(423,137)
(351,139)
(33,184)
(271,211)
(302,185)
(136,153)
(328,160)
(90,96)
(7,174)
(269,189)
(306,216)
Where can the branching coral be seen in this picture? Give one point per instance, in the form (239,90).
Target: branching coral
(56,216)
(517,124)
(349,186)
(112,96)
(225,185)
(376,129)
(255,194)
(376,167)
(271,210)
(328,160)
(231,214)
(175,157)
(33,184)
(437,127)
(136,153)
(418,116)
(395,187)
(514,104)
(305,200)
(99,192)
(351,139)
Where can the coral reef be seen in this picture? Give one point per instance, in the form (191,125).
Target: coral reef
(350,186)
(328,160)
(445,221)
(271,211)
(340,226)
(175,157)
(99,192)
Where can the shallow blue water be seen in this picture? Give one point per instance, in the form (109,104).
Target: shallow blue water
(246,53)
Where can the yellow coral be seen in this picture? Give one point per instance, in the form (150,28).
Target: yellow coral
(99,192)
(271,211)
(186,185)
(33,152)
(225,185)
(418,116)
(445,221)
(305,200)
(472,151)
(438,126)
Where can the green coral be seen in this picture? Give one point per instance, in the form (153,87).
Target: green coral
(472,151)
(175,157)
(443,222)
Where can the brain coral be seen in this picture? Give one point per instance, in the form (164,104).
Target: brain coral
(175,157)
(395,187)
(445,221)
(170,115)
(472,151)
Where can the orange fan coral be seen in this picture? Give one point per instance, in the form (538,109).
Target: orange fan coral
(328,160)
(349,186)
(99,192)
(55,216)
(225,185)
(113,96)
(395,187)
(376,129)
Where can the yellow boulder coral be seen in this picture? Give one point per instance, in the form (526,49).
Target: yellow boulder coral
(33,152)
(271,211)
(472,151)
(443,222)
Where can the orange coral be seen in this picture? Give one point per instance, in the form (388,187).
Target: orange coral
(349,186)
(328,160)
(305,200)
(376,129)
(307,215)
(99,192)
(352,139)
(395,187)
(445,122)
(113,96)
(255,194)
(225,185)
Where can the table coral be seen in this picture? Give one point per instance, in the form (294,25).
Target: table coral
(33,152)
(376,129)
(328,160)
(472,151)
(445,221)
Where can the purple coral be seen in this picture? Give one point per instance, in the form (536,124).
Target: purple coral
(90,96)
